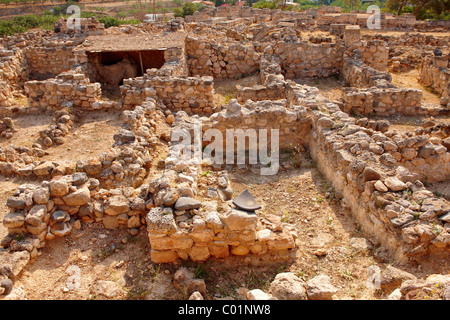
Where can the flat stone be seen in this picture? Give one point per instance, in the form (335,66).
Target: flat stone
(14,220)
(186,203)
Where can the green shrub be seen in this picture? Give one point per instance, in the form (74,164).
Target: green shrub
(109,21)
(29,22)
(8,28)
(265,4)
(188,9)
(177,12)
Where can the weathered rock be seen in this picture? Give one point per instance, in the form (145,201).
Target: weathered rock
(61,229)
(320,288)
(185,281)
(7,285)
(58,188)
(36,215)
(16,202)
(14,220)
(379,186)
(391,278)
(361,245)
(59,216)
(394,184)
(116,205)
(79,178)
(160,220)
(12,263)
(370,174)
(78,197)
(196,296)
(41,195)
(170,198)
(44,169)
(240,220)
(186,203)
(287,286)
(257,294)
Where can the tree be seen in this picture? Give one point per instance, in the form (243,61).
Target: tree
(178,3)
(396,5)
(352,4)
(419,5)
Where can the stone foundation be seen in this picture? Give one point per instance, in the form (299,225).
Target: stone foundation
(67,88)
(435,73)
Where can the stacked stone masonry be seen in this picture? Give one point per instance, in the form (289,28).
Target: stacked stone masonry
(435,73)
(380,173)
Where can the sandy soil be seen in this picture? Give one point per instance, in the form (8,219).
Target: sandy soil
(410,80)
(89,137)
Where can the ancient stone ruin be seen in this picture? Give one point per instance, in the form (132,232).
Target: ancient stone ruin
(161,79)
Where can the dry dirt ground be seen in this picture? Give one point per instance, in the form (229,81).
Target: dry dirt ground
(91,135)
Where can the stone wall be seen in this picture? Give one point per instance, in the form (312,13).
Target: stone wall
(387,200)
(294,128)
(221,61)
(304,59)
(181,227)
(50,58)
(384,101)
(435,73)
(68,87)
(358,74)
(13,72)
(191,94)
(107,189)
(272,91)
(372,91)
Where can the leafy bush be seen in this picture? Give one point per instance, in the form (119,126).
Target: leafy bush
(265,4)
(20,24)
(188,9)
(109,21)
(8,28)
(29,22)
